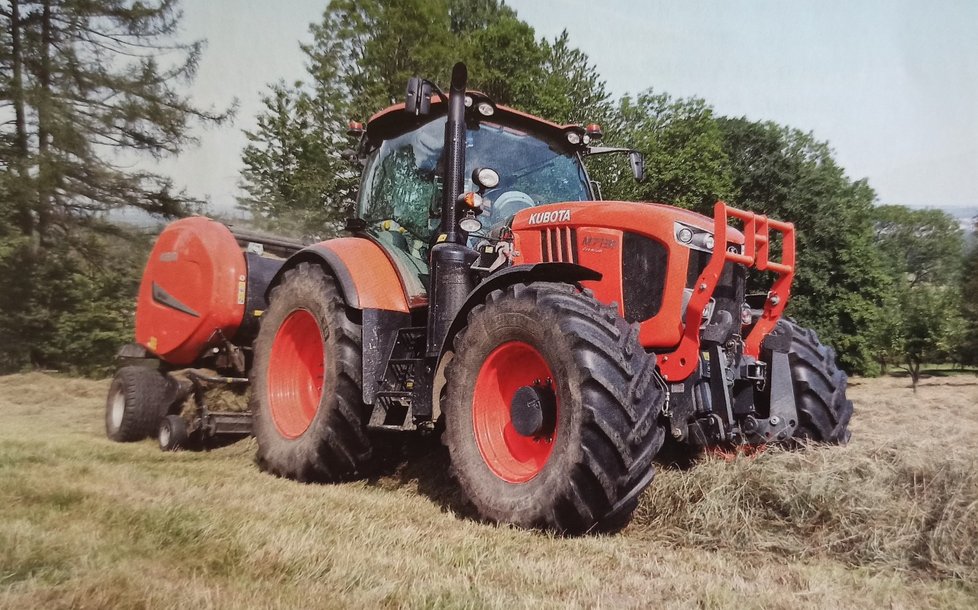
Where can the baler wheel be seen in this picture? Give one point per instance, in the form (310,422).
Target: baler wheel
(172,434)
(138,398)
(820,388)
(307,399)
(551,410)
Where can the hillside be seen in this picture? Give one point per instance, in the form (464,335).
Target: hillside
(890,521)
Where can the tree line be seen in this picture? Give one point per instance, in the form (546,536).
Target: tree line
(86,85)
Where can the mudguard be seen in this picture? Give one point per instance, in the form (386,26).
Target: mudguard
(370,282)
(367,277)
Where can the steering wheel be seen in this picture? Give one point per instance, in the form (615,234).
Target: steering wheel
(508,204)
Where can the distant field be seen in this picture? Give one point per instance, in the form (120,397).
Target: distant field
(890,521)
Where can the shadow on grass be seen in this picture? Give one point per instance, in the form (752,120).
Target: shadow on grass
(929,373)
(211,443)
(418,463)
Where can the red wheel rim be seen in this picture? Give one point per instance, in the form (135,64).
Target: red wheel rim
(295,373)
(511,456)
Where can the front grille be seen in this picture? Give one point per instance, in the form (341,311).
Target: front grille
(558,245)
(644,263)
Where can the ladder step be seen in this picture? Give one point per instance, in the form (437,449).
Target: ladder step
(394,394)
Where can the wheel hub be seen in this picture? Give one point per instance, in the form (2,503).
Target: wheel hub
(514,412)
(533,410)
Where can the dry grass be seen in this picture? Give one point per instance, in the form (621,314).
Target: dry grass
(891,521)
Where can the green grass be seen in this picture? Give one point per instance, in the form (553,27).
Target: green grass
(891,520)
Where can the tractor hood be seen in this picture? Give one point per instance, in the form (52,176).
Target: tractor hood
(649,218)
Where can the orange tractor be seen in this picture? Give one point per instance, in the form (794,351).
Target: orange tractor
(485,294)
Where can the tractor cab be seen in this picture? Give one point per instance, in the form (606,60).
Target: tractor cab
(513,161)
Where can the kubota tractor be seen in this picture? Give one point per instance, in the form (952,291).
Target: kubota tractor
(486,294)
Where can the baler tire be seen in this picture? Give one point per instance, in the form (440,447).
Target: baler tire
(334,445)
(138,398)
(820,389)
(172,433)
(607,428)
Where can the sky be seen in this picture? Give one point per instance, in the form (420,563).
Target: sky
(891,84)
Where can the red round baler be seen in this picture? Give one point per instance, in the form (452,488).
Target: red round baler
(200,299)
(193,291)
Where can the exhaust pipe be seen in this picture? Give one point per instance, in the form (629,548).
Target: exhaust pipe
(451,276)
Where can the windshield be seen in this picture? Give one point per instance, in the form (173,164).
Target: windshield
(403,177)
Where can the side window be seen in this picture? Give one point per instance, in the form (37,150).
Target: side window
(400,191)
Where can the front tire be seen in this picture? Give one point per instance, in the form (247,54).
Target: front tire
(307,403)
(820,388)
(587,465)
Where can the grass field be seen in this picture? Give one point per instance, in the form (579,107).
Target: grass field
(889,521)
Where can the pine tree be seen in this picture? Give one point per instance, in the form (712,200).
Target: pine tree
(92,86)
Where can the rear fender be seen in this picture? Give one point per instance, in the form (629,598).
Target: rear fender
(367,278)
(369,283)
(567,273)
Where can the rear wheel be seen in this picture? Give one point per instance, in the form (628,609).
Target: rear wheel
(138,398)
(820,388)
(309,416)
(551,410)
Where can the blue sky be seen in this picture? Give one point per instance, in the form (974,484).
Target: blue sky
(892,85)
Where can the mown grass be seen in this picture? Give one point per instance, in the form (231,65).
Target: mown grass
(891,520)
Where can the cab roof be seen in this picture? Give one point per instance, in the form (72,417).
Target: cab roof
(395,120)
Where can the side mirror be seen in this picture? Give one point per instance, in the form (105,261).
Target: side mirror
(637,161)
(418,98)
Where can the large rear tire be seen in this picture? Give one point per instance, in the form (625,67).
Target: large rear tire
(307,400)
(138,398)
(820,388)
(586,458)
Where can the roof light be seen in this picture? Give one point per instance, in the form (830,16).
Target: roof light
(594,130)
(354,128)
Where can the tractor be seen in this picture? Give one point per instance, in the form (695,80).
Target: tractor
(486,295)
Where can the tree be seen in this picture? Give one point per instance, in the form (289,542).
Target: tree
(91,85)
(919,246)
(931,327)
(685,163)
(840,283)
(969,308)
(922,251)
(295,174)
(568,88)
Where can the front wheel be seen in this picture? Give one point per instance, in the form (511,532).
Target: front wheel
(307,401)
(551,410)
(820,388)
